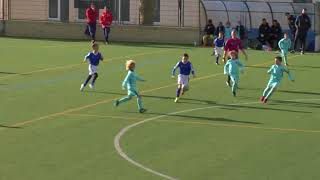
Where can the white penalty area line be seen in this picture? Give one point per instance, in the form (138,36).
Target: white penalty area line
(124,130)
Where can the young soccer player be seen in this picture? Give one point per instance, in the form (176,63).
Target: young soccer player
(231,69)
(129,83)
(276,71)
(94,59)
(218,47)
(186,68)
(233,44)
(285,45)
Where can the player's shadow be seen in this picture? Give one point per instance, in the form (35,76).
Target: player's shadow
(310,67)
(12,73)
(184,100)
(296,103)
(10,127)
(105,92)
(192,117)
(257,67)
(265,108)
(286,103)
(300,92)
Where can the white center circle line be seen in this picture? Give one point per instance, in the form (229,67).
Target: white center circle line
(124,130)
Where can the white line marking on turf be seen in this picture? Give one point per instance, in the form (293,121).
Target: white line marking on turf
(124,130)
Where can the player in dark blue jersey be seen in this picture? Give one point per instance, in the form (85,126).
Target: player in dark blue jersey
(218,47)
(186,68)
(93,58)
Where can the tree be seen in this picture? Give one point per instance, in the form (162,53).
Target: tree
(147,11)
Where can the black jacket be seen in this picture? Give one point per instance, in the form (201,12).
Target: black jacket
(276,31)
(303,23)
(264,30)
(220,29)
(291,22)
(242,31)
(210,29)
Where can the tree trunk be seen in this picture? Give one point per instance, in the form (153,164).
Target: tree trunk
(147,11)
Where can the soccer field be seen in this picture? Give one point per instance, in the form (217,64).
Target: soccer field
(49,130)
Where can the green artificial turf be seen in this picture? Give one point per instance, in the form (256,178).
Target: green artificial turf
(49,130)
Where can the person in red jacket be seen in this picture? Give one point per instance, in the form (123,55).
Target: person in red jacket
(106,21)
(92,15)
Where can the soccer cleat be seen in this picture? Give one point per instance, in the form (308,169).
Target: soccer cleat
(234,94)
(262,98)
(116,103)
(265,101)
(142,110)
(91,86)
(228,84)
(176,100)
(292,51)
(302,53)
(286,64)
(82,87)
(217,63)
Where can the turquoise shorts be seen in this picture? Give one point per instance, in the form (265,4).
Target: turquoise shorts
(273,84)
(132,92)
(284,53)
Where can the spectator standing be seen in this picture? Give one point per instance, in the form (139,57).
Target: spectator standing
(91,16)
(242,34)
(292,26)
(106,21)
(228,30)
(303,24)
(209,36)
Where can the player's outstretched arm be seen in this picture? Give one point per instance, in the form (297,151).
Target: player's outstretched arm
(173,72)
(289,75)
(139,78)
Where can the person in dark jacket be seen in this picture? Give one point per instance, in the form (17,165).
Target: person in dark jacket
(292,26)
(264,33)
(209,36)
(276,34)
(242,33)
(220,28)
(303,24)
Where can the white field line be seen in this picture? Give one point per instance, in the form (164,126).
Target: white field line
(124,130)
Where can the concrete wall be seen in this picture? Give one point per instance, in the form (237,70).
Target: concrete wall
(29,9)
(130,33)
(2,27)
(37,10)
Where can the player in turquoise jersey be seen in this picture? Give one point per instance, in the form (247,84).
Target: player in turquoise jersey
(276,71)
(285,45)
(129,83)
(231,69)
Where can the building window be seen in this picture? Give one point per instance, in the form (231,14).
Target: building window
(124,10)
(54,9)
(81,13)
(157,11)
